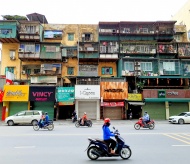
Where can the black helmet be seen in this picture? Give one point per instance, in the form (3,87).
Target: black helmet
(46,113)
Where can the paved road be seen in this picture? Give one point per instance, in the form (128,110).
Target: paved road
(166,144)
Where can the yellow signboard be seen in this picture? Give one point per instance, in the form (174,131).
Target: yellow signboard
(16,93)
(134,97)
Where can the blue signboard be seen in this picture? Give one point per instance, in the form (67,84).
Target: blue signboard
(65,94)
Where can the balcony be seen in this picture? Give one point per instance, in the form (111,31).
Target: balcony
(29,31)
(88,70)
(108,57)
(89,57)
(24,56)
(135,48)
(69,51)
(51,69)
(88,47)
(184,50)
(8,32)
(51,56)
(164,48)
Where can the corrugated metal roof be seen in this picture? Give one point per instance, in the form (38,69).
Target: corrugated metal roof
(37,17)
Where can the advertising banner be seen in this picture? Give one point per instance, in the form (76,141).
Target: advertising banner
(16,93)
(87,92)
(114,90)
(65,95)
(42,93)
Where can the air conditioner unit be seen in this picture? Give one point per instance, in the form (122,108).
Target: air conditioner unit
(12,57)
(23,72)
(20,50)
(83,35)
(65,60)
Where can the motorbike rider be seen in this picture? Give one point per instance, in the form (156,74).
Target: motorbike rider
(74,115)
(107,134)
(41,122)
(46,118)
(146,118)
(84,118)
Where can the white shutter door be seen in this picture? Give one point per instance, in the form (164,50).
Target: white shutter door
(89,107)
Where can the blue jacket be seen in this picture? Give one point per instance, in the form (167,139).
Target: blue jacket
(47,118)
(146,117)
(106,132)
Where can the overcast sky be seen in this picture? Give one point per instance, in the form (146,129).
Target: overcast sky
(93,11)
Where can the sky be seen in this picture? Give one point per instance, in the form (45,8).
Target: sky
(93,11)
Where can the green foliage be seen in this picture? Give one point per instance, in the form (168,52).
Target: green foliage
(14,17)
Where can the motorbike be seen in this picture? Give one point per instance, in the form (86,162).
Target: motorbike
(74,118)
(49,126)
(86,123)
(98,148)
(139,124)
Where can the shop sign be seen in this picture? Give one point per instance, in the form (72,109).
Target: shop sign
(170,93)
(161,94)
(112,104)
(65,103)
(41,93)
(114,90)
(87,92)
(65,94)
(16,93)
(134,97)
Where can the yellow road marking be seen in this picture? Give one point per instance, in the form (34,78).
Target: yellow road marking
(177,139)
(182,136)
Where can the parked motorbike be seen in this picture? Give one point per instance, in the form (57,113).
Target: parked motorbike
(140,124)
(86,123)
(49,126)
(74,118)
(98,148)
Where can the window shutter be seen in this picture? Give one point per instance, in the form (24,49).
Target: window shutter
(111,71)
(103,71)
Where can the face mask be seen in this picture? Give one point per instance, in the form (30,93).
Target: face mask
(108,124)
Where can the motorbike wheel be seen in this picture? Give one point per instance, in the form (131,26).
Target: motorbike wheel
(125,153)
(151,126)
(50,127)
(90,153)
(137,126)
(77,124)
(36,127)
(89,123)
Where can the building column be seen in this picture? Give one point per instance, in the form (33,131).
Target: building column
(167,110)
(189,106)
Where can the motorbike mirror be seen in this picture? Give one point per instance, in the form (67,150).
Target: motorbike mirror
(113,127)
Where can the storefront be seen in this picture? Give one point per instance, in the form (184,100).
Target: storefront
(15,98)
(161,104)
(113,95)
(135,105)
(87,99)
(65,97)
(43,98)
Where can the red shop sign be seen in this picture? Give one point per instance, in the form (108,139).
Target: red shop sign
(112,104)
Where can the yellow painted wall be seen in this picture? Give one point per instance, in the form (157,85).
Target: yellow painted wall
(107,64)
(7,62)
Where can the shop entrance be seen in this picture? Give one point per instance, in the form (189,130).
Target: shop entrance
(136,111)
(65,112)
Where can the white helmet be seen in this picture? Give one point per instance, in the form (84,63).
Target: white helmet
(84,112)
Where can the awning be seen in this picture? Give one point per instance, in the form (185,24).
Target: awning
(136,103)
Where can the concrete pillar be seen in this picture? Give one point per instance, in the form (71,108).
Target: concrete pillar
(167,110)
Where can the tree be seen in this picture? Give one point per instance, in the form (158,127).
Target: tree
(14,17)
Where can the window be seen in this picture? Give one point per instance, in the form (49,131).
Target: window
(144,30)
(28,71)
(21,114)
(146,66)
(87,37)
(107,70)
(129,66)
(29,47)
(36,71)
(12,54)
(31,29)
(10,69)
(70,37)
(29,113)
(70,71)
(50,48)
(5,31)
(36,113)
